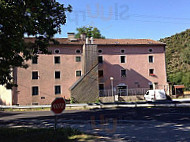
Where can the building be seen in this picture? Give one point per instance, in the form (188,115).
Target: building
(122,64)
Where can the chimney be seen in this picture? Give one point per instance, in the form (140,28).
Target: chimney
(92,40)
(87,40)
(83,36)
(71,37)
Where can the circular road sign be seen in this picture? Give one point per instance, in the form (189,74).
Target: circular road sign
(58,105)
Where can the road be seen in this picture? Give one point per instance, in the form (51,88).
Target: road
(119,124)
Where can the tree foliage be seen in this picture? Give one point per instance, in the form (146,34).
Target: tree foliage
(41,19)
(178,58)
(89,32)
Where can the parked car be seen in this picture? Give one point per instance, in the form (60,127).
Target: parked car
(153,95)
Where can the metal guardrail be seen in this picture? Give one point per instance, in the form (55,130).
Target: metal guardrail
(184,103)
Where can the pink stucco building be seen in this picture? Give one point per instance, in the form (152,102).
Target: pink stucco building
(131,63)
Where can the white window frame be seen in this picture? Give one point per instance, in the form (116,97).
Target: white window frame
(152,59)
(59,72)
(59,60)
(60,89)
(76,59)
(149,71)
(76,73)
(38,74)
(38,90)
(125,59)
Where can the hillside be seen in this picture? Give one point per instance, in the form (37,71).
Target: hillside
(178,58)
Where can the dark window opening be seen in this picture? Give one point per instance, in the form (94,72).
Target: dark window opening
(100,59)
(123,73)
(57,74)
(35,60)
(57,90)
(35,90)
(151,71)
(150,59)
(78,51)
(34,75)
(99,51)
(122,59)
(150,50)
(151,87)
(57,60)
(122,51)
(100,73)
(78,59)
(34,103)
(101,86)
(78,73)
(57,51)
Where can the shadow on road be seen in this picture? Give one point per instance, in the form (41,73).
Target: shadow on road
(135,124)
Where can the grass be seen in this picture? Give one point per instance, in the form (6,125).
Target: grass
(43,135)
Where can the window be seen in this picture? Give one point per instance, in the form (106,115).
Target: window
(57,60)
(151,59)
(100,51)
(57,74)
(122,59)
(100,73)
(101,86)
(57,89)
(57,51)
(151,72)
(34,90)
(100,59)
(122,51)
(151,87)
(35,60)
(34,75)
(34,103)
(150,50)
(78,73)
(123,73)
(78,51)
(156,85)
(78,59)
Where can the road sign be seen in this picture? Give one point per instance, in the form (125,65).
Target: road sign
(58,105)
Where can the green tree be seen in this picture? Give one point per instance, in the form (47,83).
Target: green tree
(178,58)
(41,19)
(89,31)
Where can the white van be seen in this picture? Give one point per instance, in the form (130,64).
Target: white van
(153,95)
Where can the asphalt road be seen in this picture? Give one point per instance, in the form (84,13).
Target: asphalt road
(121,124)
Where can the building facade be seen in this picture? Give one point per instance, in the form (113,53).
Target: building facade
(122,64)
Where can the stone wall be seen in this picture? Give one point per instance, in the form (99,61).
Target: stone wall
(86,88)
(122,98)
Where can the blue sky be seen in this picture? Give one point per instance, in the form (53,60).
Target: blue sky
(151,19)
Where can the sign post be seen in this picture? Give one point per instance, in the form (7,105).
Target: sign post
(57,107)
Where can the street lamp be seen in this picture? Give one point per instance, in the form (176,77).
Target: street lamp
(111,79)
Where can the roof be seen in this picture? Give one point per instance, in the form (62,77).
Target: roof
(106,41)
(179,86)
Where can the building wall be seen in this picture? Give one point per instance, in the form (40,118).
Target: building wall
(5,96)
(46,80)
(137,66)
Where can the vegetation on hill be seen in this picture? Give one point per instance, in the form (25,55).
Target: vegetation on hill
(178,58)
